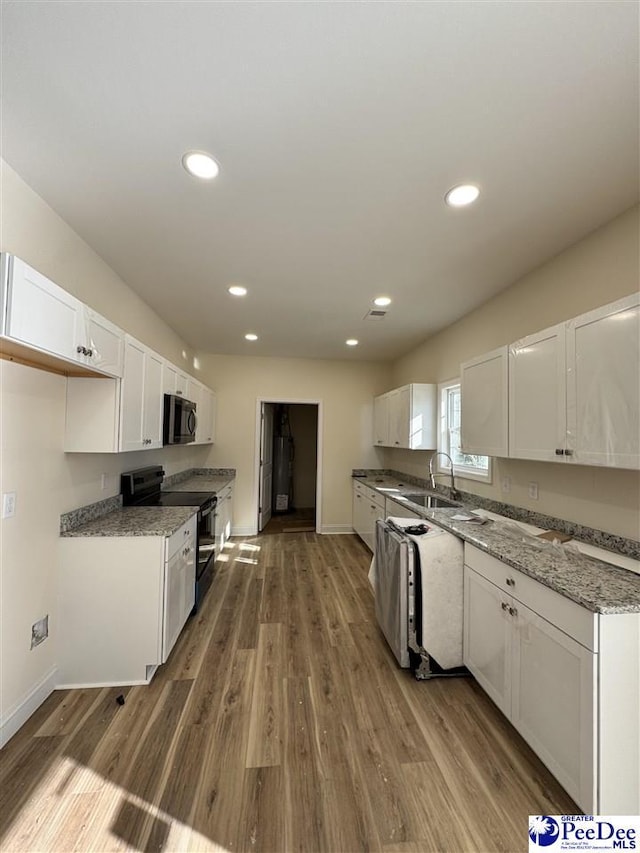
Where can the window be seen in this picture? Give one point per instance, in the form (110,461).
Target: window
(464,464)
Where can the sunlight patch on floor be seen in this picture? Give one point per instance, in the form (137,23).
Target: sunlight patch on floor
(72,803)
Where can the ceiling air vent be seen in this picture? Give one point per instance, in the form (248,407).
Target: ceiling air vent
(375,314)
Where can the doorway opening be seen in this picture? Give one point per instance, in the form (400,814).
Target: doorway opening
(288,466)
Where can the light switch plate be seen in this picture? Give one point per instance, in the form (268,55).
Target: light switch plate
(533,491)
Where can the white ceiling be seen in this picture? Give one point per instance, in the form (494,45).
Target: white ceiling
(338,128)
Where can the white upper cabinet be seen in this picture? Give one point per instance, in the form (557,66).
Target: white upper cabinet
(484,422)
(105,344)
(406,417)
(141,398)
(381,420)
(206,417)
(175,381)
(45,318)
(574,390)
(537,396)
(43,315)
(570,393)
(603,386)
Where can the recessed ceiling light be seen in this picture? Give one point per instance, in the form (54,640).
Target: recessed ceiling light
(251,337)
(200,165)
(237,290)
(352,342)
(382,301)
(462,195)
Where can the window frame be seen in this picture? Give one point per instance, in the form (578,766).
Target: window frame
(463,471)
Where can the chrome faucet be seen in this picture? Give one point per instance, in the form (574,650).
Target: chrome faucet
(432,476)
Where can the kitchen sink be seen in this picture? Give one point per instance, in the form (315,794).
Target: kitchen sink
(431,501)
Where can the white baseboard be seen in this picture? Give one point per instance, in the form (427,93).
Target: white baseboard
(245,531)
(17,716)
(89,685)
(337,528)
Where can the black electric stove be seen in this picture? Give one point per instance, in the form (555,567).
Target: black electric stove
(143,487)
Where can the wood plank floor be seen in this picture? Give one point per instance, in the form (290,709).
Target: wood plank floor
(280,723)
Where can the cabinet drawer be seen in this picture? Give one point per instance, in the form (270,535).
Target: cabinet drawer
(368,494)
(181,538)
(374,497)
(569,617)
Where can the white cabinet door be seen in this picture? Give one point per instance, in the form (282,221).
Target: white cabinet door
(381,420)
(603,386)
(487,631)
(105,343)
(484,425)
(537,396)
(174,380)
(141,398)
(206,417)
(376,511)
(132,391)
(43,315)
(153,400)
(552,706)
(406,417)
(224,518)
(399,407)
(360,511)
(179,585)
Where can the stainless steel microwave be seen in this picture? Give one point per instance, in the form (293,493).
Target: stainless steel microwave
(179,425)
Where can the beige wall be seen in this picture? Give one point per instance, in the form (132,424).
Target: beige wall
(601,268)
(47,481)
(345,391)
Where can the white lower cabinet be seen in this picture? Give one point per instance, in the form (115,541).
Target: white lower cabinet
(123,601)
(224,517)
(544,661)
(368,506)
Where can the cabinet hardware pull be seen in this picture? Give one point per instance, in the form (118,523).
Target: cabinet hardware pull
(89,352)
(504,605)
(511,582)
(80,349)
(513,611)
(568,453)
(559,451)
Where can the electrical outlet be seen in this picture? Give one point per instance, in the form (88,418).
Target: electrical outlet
(8,504)
(39,631)
(103,481)
(506,485)
(533,491)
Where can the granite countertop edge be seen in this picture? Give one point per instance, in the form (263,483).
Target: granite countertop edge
(594,584)
(134,521)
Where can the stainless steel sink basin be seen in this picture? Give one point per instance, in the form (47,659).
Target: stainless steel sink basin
(431,501)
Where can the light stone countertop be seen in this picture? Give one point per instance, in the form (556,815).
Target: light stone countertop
(136,521)
(201,483)
(590,582)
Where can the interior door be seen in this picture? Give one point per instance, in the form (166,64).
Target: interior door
(266,465)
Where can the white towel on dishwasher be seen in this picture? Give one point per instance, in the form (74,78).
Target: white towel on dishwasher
(441,581)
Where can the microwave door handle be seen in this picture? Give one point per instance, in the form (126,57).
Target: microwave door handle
(192,422)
